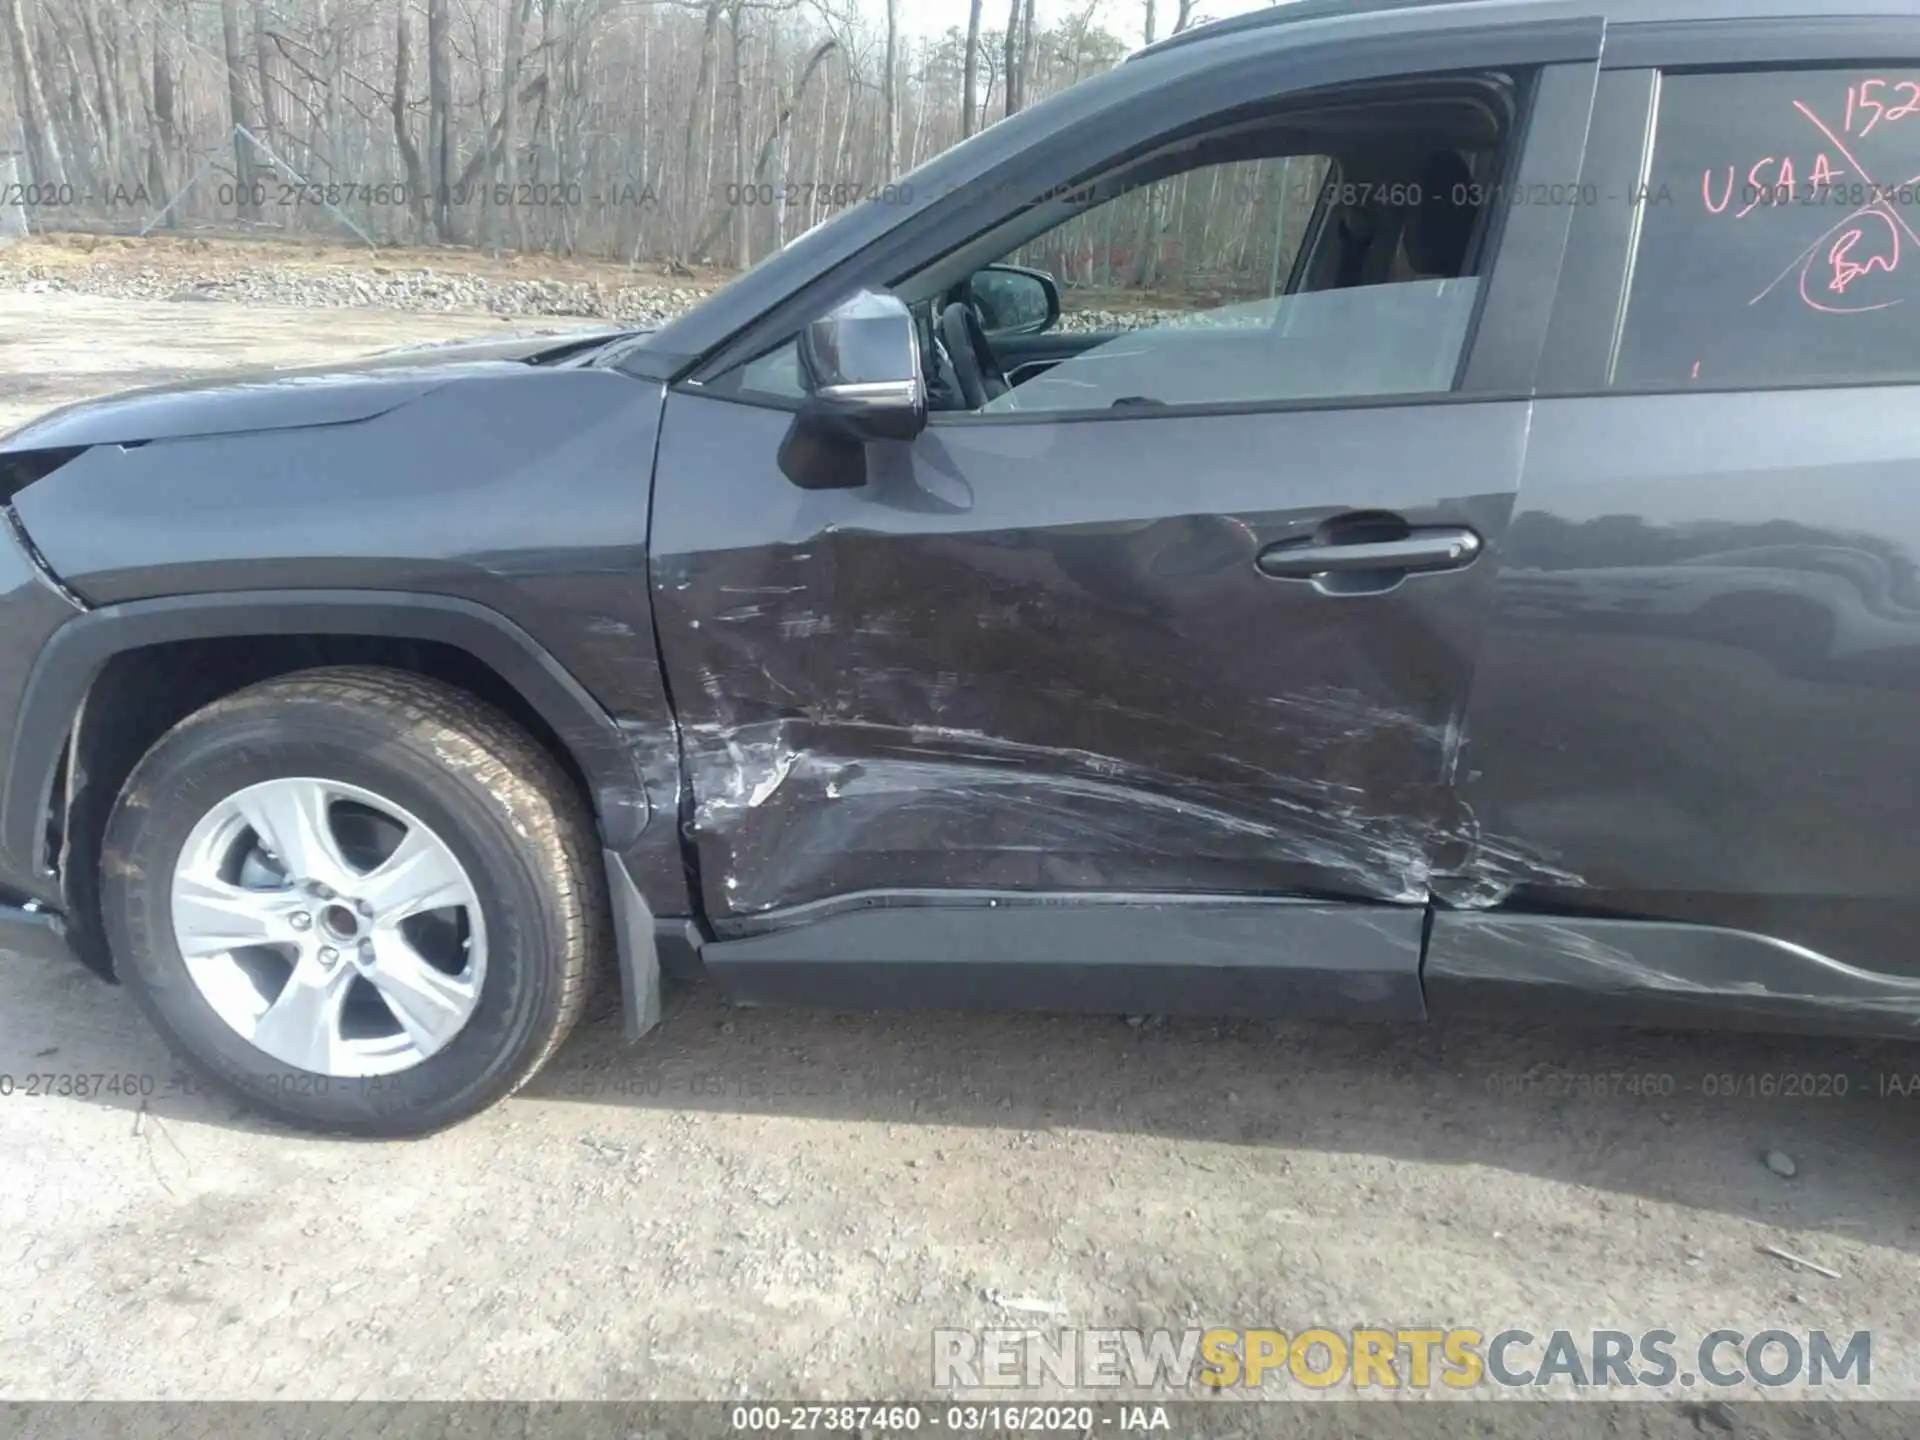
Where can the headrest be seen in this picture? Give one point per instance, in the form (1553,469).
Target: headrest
(1440,228)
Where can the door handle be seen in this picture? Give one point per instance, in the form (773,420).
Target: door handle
(1450,548)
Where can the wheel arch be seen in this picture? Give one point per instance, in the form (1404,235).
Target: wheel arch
(111,656)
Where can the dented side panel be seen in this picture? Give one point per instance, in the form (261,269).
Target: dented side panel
(1649,972)
(1039,656)
(1701,689)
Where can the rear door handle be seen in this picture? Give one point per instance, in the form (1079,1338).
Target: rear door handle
(1423,550)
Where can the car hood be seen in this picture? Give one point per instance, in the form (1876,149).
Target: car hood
(245,401)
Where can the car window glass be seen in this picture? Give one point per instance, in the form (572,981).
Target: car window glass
(1217,236)
(1780,232)
(1292,347)
(1183,286)
(775,374)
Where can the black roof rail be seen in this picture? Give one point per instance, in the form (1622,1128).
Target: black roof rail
(1284,12)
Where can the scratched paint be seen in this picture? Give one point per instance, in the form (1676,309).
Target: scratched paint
(1013,662)
(778,821)
(1663,968)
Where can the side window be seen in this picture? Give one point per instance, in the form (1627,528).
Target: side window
(1211,239)
(1281,278)
(1779,235)
(775,375)
(1326,251)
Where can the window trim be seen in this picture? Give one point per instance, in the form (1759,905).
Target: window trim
(968,419)
(1529,242)
(1759,42)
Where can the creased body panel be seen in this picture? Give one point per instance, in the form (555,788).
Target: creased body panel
(1650,972)
(1700,693)
(1039,656)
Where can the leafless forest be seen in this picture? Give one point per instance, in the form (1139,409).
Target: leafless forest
(674,131)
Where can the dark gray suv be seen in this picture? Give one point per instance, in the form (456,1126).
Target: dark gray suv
(1494,589)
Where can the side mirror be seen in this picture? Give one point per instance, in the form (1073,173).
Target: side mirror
(1013,300)
(860,363)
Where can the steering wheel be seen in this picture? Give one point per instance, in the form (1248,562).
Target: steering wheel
(980,376)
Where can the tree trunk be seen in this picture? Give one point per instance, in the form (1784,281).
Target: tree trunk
(1010,68)
(83,125)
(1026,55)
(97,54)
(440,141)
(689,206)
(890,98)
(970,82)
(156,99)
(819,157)
(238,113)
(402,130)
(517,15)
(262,50)
(116,44)
(43,147)
(739,211)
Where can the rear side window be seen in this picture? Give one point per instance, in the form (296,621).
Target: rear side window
(1780,235)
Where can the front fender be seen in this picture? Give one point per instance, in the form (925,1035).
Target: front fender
(505,512)
(523,494)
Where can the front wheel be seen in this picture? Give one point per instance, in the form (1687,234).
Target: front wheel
(358,899)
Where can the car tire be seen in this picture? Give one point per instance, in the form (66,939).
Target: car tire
(499,804)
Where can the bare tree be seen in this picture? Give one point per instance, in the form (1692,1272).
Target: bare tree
(1026,50)
(163,140)
(240,117)
(602,127)
(518,12)
(970,86)
(415,188)
(262,59)
(738,208)
(43,147)
(890,95)
(1011,68)
(440,136)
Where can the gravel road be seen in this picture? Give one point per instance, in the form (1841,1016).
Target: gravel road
(789,1203)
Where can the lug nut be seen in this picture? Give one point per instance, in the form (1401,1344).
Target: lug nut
(319,891)
(364,908)
(300,920)
(329,956)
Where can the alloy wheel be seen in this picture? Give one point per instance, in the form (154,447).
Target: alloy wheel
(329,927)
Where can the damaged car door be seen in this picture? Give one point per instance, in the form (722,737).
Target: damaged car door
(1139,679)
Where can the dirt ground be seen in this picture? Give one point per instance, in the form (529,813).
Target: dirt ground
(788,1204)
(212,253)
